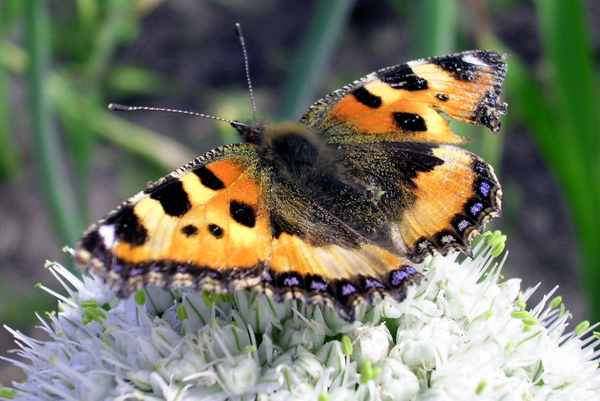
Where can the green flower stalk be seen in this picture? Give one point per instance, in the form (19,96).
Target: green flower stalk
(461,334)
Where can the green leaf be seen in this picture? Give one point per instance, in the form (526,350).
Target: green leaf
(569,56)
(75,113)
(9,154)
(158,149)
(56,188)
(10,13)
(437,37)
(88,11)
(573,143)
(116,26)
(7,393)
(150,145)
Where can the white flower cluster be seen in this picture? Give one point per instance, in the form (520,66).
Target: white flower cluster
(461,334)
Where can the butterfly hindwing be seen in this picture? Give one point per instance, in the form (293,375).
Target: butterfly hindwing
(405,102)
(436,197)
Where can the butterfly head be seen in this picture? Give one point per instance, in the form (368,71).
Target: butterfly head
(292,147)
(250,133)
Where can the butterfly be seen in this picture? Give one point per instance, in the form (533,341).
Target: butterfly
(334,208)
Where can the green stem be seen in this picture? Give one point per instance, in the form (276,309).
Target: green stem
(565,38)
(563,155)
(316,50)
(138,141)
(10,12)
(9,160)
(150,145)
(438,35)
(55,188)
(117,16)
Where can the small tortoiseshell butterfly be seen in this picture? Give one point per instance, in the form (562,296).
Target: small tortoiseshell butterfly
(334,208)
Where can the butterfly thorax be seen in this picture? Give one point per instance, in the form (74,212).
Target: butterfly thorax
(291,148)
(311,181)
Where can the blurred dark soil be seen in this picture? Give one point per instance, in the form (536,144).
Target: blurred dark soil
(193,45)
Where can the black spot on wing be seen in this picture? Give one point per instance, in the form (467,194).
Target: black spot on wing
(398,278)
(365,97)
(481,168)
(172,197)
(128,227)
(290,280)
(280,226)
(455,65)
(208,178)
(371,283)
(316,284)
(474,207)
(345,291)
(483,188)
(486,193)
(447,239)
(402,77)
(189,230)
(442,97)
(412,158)
(92,242)
(409,121)
(462,224)
(242,213)
(215,230)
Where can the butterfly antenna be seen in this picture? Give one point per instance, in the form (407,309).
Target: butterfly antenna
(240,34)
(121,107)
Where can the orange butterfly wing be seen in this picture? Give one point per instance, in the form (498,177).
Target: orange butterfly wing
(208,225)
(435,197)
(216,223)
(201,218)
(406,102)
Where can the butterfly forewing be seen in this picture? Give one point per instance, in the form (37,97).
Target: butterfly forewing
(405,102)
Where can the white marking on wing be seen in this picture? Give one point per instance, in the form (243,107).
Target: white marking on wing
(471,59)
(107,232)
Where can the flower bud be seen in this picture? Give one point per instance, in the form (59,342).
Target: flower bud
(238,376)
(297,332)
(397,381)
(371,343)
(417,354)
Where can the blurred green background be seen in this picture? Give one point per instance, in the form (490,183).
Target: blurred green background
(65,160)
